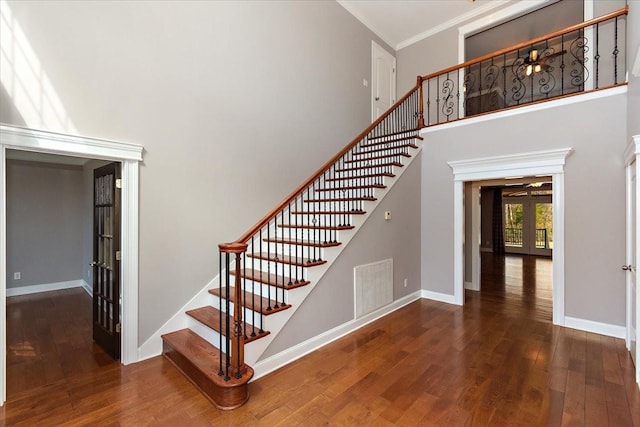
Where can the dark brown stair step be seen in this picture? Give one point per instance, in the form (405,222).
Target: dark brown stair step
(199,361)
(387,141)
(380,165)
(328,213)
(377,150)
(252,302)
(318,227)
(210,316)
(271,279)
(286,259)
(352,187)
(416,130)
(378,157)
(302,242)
(371,175)
(342,199)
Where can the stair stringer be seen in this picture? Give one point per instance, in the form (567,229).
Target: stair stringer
(274,323)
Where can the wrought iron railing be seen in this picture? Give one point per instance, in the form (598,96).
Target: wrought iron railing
(257,269)
(584,57)
(513,237)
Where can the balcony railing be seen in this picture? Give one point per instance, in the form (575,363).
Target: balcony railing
(584,57)
(513,238)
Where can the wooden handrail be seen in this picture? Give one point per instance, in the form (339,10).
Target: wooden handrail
(253,230)
(611,15)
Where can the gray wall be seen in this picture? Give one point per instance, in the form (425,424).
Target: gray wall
(633,46)
(44,222)
(236,103)
(331,302)
(594,202)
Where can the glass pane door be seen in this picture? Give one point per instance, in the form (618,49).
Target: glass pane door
(513,225)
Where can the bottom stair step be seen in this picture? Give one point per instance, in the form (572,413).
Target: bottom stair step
(199,361)
(210,316)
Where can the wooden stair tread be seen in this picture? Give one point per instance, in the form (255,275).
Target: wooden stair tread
(318,227)
(199,362)
(329,213)
(285,259)
(210,316)
(377,157)
(352,187)
(356,177)
(253,303)
(380,165)
(301,242)
(270,279)
(342,199)
(377,150)
(387,135)
(204,356)
(388,141)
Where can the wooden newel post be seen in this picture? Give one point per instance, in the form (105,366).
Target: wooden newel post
(421,103)
(238,367)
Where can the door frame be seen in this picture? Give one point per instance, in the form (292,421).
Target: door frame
(631,159)
(529,203)
(542,163)
(130,155)
(375,47)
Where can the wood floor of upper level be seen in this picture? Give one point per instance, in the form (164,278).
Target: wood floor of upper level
(498,361)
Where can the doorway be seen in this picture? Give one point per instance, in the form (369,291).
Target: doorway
(24,139)
(541,163)
(527,212)
(383,80)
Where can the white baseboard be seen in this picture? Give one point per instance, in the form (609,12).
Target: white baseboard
(45,287)
(437,296)
(272,363)
(87,288)
(595,327)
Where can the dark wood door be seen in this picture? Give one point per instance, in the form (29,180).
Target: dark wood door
(106,258)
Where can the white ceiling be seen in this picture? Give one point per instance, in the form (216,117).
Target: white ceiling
(401,23)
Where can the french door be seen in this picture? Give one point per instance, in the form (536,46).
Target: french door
(106,258)
(528,223)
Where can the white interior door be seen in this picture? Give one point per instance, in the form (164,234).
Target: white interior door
(383,80)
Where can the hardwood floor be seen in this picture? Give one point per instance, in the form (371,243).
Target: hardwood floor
(493,362)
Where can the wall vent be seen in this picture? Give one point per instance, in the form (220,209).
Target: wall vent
(373,286)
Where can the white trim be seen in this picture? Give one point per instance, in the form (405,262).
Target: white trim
(438,296)
(550,162)
(595,327)
(78,146)
(88,288)
(584,97)
(452,23)
(475,237)
(20,138)
(589,10)
(503,15)
(272,363)
(44,287)
(3,276)
(458,236)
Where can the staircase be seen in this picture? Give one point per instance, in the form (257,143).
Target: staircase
(268,272)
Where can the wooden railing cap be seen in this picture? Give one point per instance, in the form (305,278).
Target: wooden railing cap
(234,248)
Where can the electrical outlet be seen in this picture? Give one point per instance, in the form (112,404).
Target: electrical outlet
(17,275)
(387,215)
(365,83)
(405,282)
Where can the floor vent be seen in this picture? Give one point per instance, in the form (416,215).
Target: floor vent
(373,286)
